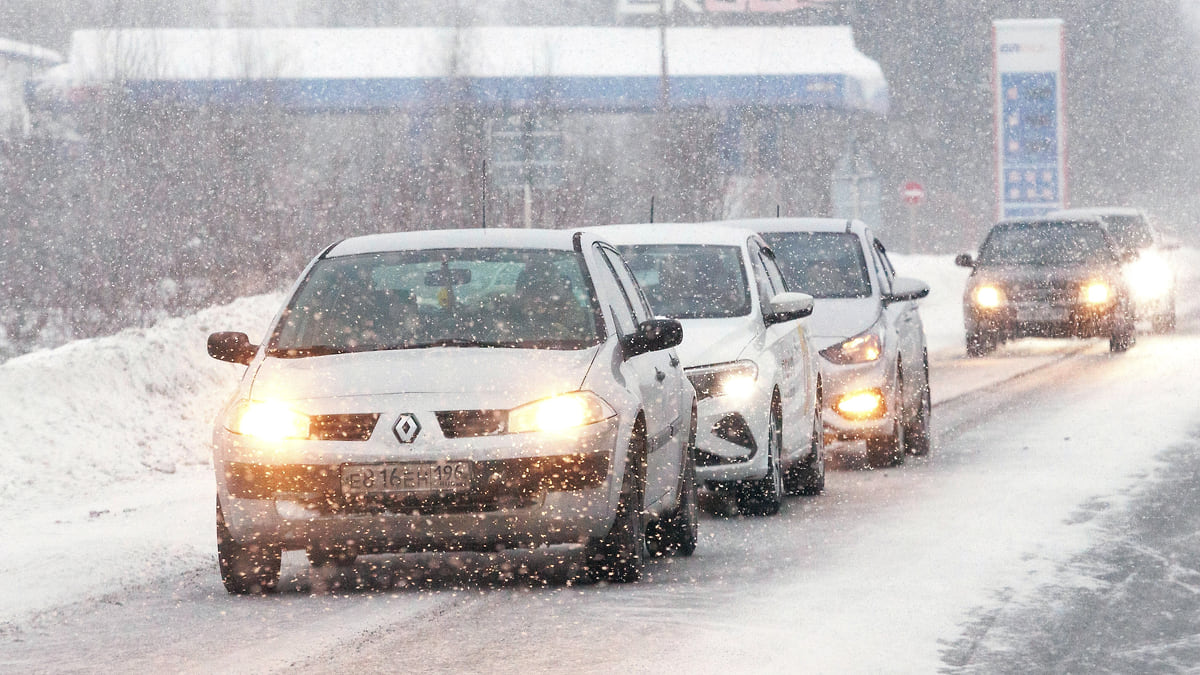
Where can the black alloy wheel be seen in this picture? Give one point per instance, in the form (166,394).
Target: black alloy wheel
(764,496)
(620,556)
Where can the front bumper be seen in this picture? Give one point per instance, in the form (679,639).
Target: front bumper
(731,437)
(843,380)
(1055,320)
(526,490)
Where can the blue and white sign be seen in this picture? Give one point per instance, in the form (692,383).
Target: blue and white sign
(1031,145)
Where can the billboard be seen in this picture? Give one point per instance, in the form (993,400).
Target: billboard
(1031,145)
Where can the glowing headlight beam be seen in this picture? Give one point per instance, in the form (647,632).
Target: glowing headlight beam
(269,421)
(988,297)
(559,413)
(861,404)
(1096,293)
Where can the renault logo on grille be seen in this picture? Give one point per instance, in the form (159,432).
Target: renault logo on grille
(407,428)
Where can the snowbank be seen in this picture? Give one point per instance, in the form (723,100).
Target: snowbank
(98,411)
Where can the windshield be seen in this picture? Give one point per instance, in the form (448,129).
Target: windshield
(1045,243)
(691,281)
(446,297)
(822,264)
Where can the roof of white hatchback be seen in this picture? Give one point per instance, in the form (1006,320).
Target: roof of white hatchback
(797,224)
(672,233)
(463,238)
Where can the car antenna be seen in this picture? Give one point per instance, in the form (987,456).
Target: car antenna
(651,208)
(776,210)
(485,194)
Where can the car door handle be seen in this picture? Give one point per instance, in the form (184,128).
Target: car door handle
(659,375)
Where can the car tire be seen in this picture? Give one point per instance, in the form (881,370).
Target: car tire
(764,496)
(808,476)
(981,343)
(1122,336)
(885,451)
(246,568)
(916,433)
(620,555)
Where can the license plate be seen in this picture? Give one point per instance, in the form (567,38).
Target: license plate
(406,478)
(1045,314)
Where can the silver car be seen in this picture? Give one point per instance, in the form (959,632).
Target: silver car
(457,390)
(866,327)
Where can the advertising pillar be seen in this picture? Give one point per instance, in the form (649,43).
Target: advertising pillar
(1031,140)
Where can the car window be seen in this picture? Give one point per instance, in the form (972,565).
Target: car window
(1045,243)
(1130,232)
(691,281)
(629,286)
(452,297)
(886,272)
(822,264)
(624,312)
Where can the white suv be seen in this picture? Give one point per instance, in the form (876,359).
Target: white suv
(457,390)
(746,353)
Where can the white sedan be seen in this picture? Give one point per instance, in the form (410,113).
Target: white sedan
(867,327)
(453,390)
(746,353)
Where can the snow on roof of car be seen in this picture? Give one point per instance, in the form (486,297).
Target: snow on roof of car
(672,233)
(460,238)
(1097,211)
(796,224)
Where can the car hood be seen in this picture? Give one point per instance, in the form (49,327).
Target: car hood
(841,318)
(1041,276)
(707,341)
(519,373)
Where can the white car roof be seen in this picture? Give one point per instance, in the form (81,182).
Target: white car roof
(672,233)
(797,225)
(460,238)
(1098,211)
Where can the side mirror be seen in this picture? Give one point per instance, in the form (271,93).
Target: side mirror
(653,335)
(964,260)
(788,307)
(231,347)
(905,289)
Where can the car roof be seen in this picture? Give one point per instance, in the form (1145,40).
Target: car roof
(797,224)
(460,238)
(1082,218)
(1099,211)
(672,233)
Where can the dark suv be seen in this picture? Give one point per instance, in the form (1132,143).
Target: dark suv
(1149,268)
(1047,277)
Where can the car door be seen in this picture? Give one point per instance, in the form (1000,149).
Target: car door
(904,322)
(660,380)
(784,341)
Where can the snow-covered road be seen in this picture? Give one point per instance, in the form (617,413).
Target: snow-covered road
(111,558)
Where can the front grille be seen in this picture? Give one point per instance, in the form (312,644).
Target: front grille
(354,427)
(468,423)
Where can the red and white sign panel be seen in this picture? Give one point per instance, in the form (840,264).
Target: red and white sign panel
(913,193)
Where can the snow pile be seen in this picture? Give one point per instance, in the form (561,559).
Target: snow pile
(98,411)
(941,312)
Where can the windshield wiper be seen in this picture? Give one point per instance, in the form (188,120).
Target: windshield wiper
(303,352)
(457,342)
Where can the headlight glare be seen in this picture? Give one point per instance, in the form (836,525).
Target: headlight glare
(1096,293)
(737,378)
(860,405)
(862,348)
(559,413)
(268,421)
(1149,277)
(988,297)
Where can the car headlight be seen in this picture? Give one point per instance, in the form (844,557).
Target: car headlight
(268,421)
(736,378)
(1095,293)
(862,348)
(559,413)
(988,297)
(1149,277)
